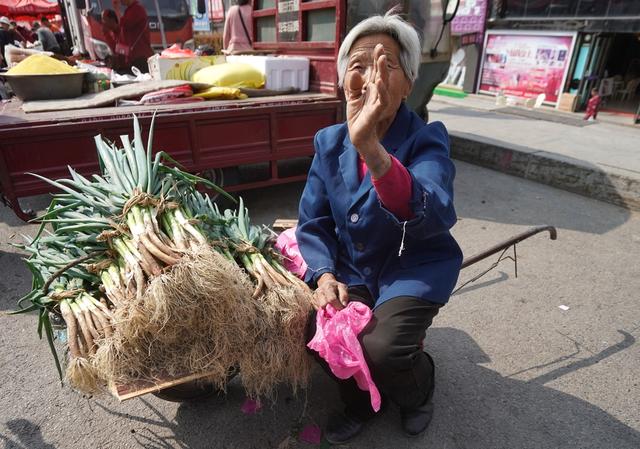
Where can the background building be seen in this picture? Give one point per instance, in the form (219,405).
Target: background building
(605,53)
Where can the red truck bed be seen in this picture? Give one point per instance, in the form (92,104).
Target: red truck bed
(213,134)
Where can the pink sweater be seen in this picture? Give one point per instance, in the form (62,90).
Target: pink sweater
(393,189)
(234,38)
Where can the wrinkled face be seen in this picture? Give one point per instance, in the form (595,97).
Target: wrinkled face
(361,62)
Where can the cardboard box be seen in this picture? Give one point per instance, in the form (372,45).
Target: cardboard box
(158,67)
(568,102)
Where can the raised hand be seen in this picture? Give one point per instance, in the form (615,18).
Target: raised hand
(367,99)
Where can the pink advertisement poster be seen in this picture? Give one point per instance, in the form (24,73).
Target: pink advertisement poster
(525,65)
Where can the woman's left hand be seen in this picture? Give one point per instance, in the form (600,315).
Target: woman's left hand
(367,100)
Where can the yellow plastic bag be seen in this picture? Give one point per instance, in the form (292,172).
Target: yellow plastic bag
(230,74)
(221,93)
(41,65)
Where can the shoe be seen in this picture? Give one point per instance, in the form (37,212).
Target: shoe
(416,421)
(343,427)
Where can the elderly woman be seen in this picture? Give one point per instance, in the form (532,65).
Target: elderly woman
(374,222)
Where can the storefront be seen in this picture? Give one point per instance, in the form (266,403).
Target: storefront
(606,51)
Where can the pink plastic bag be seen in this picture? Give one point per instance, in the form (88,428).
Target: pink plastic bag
(336,340)
(176,52)
(287,244)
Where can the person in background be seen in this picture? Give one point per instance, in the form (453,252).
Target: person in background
(57,32)
(46,38)
(593,105)
(44,21)
(238,28)
(5,38)
(110,28)
(133,44)
(8,36)
(22,36)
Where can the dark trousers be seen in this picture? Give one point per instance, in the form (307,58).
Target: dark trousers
(392,346)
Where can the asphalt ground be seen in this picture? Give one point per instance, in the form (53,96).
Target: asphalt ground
(514,370)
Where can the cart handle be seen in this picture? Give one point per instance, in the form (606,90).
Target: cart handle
(553,235)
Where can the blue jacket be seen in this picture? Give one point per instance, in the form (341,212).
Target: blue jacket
(344,229)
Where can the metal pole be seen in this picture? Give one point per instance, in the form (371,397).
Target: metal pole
(507,243)
(65,23)
(159,14)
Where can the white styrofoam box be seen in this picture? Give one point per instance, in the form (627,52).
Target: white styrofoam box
(280,72)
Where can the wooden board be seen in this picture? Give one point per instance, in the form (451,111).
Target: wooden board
(124,392)
(282,224)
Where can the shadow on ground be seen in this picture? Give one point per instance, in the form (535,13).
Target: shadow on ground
(23,434)
(501,200)
(475,408)
(15,280)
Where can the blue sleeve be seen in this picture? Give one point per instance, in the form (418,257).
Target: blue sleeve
(432,174)
(315,233)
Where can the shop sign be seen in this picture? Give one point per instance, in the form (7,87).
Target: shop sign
(470,17)
(525,63)
(200,21)
(216,10)
(288,21)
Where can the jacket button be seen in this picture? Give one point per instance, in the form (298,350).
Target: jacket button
(367,271)
(354,218)
(360,246)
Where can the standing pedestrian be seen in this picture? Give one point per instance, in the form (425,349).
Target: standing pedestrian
(593,105)
(238,27)
(133,46)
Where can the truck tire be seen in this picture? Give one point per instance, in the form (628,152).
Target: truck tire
(193,391)
(216,176)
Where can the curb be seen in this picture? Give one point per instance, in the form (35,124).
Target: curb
(612,186)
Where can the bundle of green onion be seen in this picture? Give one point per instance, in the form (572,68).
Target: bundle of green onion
(152,280)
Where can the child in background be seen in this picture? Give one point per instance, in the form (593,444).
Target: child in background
(592,105)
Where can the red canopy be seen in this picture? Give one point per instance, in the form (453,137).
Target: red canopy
(28,8)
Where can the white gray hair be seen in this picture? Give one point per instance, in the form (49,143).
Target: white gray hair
(393,25)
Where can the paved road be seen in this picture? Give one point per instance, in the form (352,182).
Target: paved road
(514,370)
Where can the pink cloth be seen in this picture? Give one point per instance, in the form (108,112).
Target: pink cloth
(393,189)
(336,340)
(175,51)
(287,244)
(234,38)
